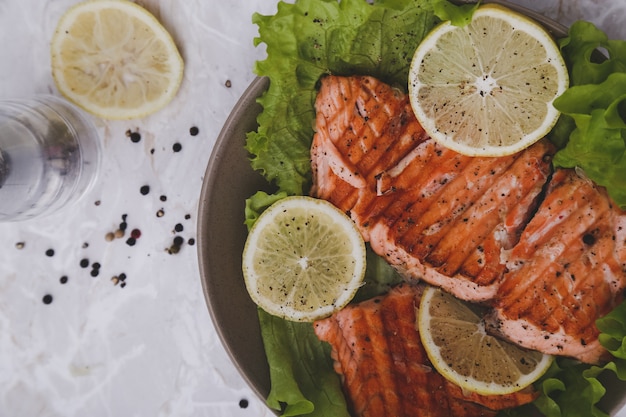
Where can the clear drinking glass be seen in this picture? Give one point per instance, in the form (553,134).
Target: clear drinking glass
(49,156)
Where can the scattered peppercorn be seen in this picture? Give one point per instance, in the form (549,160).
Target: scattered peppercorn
(179,227)
(228,84)
(85,245)
(131,241)
(176,244)
(63,279)
(160,213)
(177,147)
(191,242)
(109,236)
(84,263)
(243,403)
(193,131)
(95,269)
(123,226)
(135,137)
(50,252)
(119,233)
(144,190)
(20,245)
(163,198)
(187,216)
(135,234)
(116,279)
(47,299)
(97,202)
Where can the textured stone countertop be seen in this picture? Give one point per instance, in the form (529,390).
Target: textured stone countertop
(145,346)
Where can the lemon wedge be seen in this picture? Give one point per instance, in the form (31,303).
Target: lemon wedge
(303,259)
(487,89)
(114,59)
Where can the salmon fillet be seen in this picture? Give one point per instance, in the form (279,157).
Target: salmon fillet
(547,250)
(384,369)
(566,271)
(432,213)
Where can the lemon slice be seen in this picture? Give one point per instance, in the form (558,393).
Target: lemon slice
(487,89)
(458,346)
(114,59)
(303,259)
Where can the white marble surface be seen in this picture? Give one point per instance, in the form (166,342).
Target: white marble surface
(148,348)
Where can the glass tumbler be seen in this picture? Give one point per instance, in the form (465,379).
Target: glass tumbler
(50,156)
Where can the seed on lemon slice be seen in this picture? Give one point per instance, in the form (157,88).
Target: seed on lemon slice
(487,89)
(303,259)
(114,59)
(458,346)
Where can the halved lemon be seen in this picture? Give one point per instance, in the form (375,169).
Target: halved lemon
(487,89)
(303,259)
(458,346)
(114,59)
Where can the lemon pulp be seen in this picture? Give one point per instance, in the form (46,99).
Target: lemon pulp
(458,346)
(303,259)
(487,89)
(114,59)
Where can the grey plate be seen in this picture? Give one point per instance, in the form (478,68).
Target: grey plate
(228,181)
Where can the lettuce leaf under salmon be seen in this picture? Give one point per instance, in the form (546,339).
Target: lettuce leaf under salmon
(311,38)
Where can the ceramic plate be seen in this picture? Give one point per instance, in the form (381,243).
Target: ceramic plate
(228,181)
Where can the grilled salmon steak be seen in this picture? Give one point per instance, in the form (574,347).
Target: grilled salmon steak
(431,212)
(566,271)
(502,231)
(377,350)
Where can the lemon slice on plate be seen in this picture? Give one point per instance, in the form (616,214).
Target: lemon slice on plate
(303,259)
(458,346)
(114,59)
(487,89)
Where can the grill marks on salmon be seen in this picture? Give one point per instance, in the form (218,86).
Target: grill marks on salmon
(546,250)
(377,350)
(431,212)
(567,270)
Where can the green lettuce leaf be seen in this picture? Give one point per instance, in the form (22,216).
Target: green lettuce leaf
(593,126)
(585,49)
(301,370)
(257,203)
(312,38)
